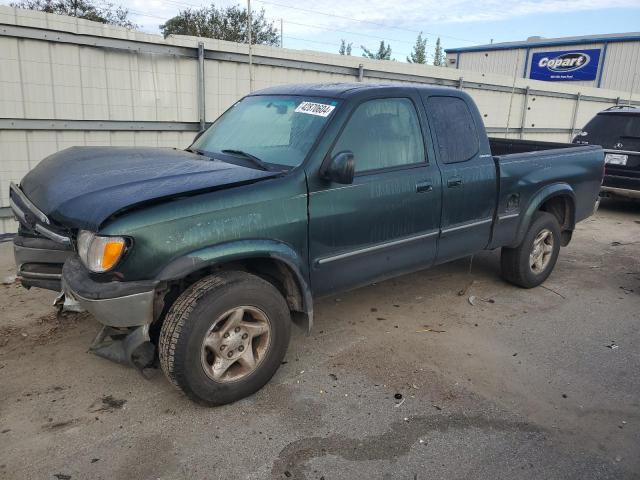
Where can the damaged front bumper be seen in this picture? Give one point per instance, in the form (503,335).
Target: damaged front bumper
(125,309)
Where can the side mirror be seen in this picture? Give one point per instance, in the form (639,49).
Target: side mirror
(340,168)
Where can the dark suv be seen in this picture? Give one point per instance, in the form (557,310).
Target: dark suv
(617,130)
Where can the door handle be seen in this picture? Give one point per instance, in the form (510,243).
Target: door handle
(424,187)
(454,182)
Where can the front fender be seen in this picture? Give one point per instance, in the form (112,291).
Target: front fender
(243,250)
(536,200)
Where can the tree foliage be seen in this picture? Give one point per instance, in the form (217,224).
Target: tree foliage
(224,23)
(419,54)
(103,12)
(383,53)
(439,59)
(345,48)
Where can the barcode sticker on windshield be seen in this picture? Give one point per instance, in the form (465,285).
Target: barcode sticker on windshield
(320,109)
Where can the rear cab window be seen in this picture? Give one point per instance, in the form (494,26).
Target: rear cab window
(456,133)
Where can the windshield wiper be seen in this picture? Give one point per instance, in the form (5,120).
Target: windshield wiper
(255,160)
(197,151)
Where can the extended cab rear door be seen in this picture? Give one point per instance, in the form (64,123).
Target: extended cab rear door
(469,185)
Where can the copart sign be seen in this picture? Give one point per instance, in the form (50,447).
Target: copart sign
(565,65)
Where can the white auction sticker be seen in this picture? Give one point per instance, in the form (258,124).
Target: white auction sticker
(320,109)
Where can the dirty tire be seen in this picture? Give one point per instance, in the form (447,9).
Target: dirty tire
(189,320)
(515,263)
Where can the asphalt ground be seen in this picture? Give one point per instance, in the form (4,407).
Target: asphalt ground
(444,374)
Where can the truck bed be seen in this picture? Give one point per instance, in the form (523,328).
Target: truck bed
(508,146)
(526,175)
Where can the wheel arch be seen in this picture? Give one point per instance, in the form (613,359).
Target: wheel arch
(558,199)
(276,262)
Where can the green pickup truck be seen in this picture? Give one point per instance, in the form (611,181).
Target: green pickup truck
(204,258)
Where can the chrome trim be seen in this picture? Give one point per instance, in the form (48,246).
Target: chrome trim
(508,216)
(39,255)
(622,192)
(23,198)
(52,235)
(40,275)
(621,152)
(17,211)
(467,225)
(374,248)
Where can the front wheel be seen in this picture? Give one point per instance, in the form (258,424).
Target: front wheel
(224,337)
(531,262)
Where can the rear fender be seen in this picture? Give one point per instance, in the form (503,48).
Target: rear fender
(537,200)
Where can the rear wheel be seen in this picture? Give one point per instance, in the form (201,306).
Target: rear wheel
(224,337)
(530,263)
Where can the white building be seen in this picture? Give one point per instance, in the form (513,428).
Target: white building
(610,61)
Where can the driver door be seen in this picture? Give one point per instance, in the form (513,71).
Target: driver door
(387,221)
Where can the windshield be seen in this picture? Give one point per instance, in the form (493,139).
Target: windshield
(276,129)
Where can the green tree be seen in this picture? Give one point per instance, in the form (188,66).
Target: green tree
(419,54)
(383,53)
(345,48)
(224,23)
(439,60)
(96,11)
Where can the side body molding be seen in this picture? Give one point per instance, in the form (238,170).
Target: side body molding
(537,199)
(242,250)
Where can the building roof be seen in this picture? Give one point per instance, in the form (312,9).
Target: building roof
(549,42)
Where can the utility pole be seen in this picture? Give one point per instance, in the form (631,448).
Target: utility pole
(281,34)
(250,47)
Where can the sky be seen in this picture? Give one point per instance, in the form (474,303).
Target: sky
(320,25)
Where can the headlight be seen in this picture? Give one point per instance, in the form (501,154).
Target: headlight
(99,253)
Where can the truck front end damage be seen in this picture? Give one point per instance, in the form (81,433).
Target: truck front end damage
(45,258)
(125,309)
(40,248)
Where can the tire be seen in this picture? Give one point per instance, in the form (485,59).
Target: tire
(515,263)
(202,312)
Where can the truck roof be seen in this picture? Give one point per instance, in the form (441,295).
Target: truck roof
(344,90)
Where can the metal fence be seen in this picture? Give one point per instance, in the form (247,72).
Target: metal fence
(66,82)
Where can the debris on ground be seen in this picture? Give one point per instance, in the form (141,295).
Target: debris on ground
(464,291)
(553,291)
(398,396)
(612,345)
(430,330)
(10,280)
(472,300)
(620,244)
(626,289)
(107,404)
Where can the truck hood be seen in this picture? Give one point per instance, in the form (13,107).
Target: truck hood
(81,187)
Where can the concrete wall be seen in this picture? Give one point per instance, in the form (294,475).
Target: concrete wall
(66,82)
